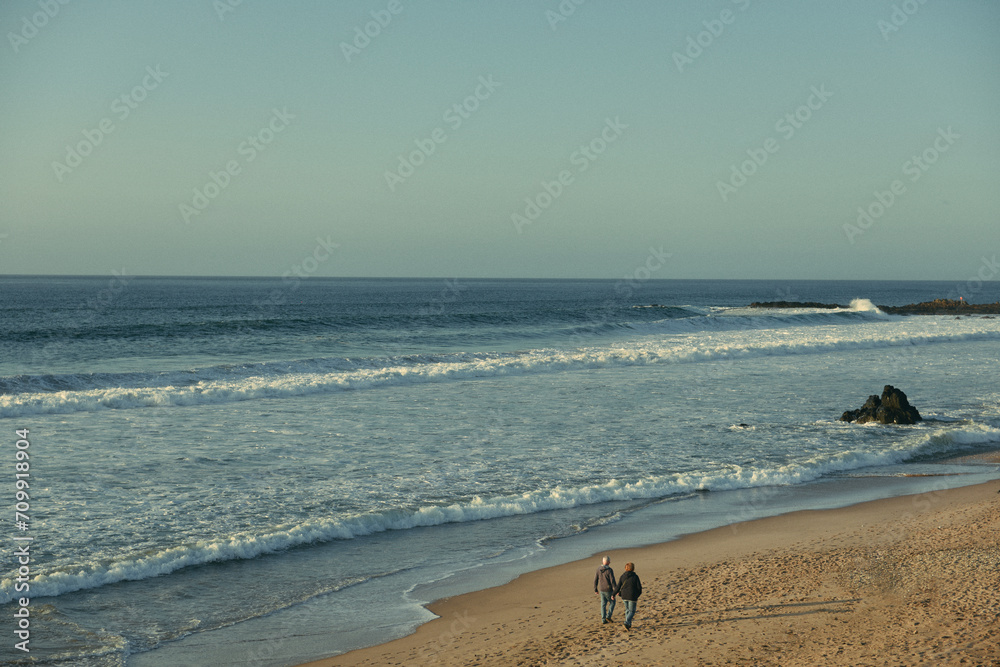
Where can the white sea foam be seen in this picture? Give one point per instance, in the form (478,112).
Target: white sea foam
(954,440)
(864,306)
(247,545)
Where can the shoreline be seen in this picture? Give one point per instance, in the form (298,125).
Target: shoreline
(909,579)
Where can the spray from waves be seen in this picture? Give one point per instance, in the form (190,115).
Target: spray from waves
(319,377)
(865,306)
(245,545)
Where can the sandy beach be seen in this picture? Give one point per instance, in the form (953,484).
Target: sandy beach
(910,580)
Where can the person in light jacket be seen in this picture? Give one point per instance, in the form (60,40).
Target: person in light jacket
(629,589)
(604,585)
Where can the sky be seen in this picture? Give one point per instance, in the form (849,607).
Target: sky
(730,139)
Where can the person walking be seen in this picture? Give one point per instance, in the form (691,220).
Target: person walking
(629,589)
(604,585)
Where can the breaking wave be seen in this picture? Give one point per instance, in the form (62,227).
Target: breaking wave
(246,545)
(60,394)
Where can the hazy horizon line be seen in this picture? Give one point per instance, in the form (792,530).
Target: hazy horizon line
(123,274)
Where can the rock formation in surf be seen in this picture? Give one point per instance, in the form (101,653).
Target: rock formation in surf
(891,408)
(944,307)
(935,307)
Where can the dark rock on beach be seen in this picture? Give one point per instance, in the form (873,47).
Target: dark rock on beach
(891,408)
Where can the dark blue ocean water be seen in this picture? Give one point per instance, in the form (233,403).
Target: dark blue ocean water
(94,323)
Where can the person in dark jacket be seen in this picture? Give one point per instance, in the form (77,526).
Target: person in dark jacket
(629,589)
(604,585)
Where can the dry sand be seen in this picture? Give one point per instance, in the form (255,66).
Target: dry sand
(905,581)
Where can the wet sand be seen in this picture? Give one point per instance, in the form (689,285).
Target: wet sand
(913,580)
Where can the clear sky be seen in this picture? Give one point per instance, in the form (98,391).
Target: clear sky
(583,138)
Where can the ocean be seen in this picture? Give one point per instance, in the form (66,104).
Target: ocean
(253,471)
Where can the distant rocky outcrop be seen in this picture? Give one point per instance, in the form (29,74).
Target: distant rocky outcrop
(891,408)
(944,307)
(935,307)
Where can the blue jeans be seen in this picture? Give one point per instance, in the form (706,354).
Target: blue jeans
(607,603)
(629,611)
